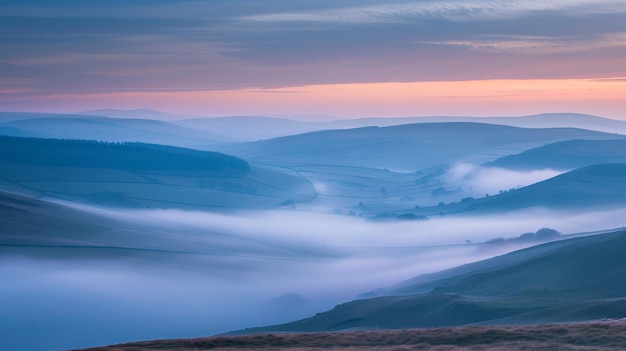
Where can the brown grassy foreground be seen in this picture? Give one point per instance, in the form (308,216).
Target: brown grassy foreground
(575,337)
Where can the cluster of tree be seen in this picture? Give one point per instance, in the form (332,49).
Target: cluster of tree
(541,235)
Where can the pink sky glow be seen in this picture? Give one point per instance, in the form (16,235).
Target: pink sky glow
(603,97)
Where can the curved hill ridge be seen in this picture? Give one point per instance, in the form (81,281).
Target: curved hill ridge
(571,280)
(43,125)
(566,155)
(144,175)
(127,155)
(596,186)
(408,147)
(41,229)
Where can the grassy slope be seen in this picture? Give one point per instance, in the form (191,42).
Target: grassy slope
(597,186)
(573,280)
(42,229)
(108,129)
(592,336)
(30,226)
(566,155)
(143,175)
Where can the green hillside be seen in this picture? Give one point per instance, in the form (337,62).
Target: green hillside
(126,155)
(597,186)
(572,280)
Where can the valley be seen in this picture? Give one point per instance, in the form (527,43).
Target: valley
(310,221)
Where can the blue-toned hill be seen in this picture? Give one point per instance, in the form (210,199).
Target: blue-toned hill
(124,155)
(572,280)
(404,147)
(595,187)
(144,176)
(59,126)
(566,155)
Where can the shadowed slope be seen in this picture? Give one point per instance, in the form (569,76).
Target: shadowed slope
(144,175)
(42,229)
(107,129)
(93,154)
(592,336)
(566,155)
(576,279)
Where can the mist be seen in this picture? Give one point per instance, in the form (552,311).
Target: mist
(490,180)
(198,274)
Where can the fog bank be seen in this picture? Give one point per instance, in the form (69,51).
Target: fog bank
(197,274)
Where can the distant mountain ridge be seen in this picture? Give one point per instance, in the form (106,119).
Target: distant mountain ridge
(106,129)
(406,147)
(254,128)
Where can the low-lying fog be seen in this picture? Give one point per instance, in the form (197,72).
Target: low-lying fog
(490,180)
(197,274)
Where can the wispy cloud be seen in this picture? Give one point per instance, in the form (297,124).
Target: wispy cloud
(537,45)
(445,10)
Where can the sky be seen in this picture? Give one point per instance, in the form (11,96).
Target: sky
(349,58)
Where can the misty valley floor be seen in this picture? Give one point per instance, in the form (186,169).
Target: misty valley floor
(602,335)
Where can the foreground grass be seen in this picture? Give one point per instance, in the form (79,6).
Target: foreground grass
(575,337)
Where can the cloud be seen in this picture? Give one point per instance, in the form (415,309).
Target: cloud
(444,10)
(490,180)
(68,47)
(530,45)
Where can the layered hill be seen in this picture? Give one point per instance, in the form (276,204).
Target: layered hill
(41,228)
(566,155)
(572,280)
(144,175)
(404,147)
(544,120)
(103,129)
(592,187)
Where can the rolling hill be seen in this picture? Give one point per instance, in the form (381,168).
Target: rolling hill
(105,129)
(565,155)
(406,147)
(40,228)
(592,187)
(544,120)
(571,280)
(144,175)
